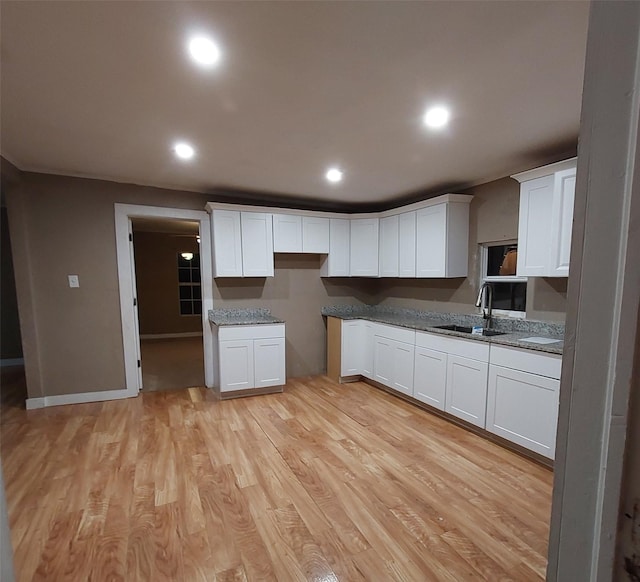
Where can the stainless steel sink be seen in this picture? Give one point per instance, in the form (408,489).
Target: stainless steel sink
(465,329)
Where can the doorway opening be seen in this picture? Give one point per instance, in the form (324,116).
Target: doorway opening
(169,301)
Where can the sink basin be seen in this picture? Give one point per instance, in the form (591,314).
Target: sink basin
(465,329)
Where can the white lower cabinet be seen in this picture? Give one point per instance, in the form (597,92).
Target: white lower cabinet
(236,369)
(522,406)
(367,344)
(249,357)
(351,362)
(430,377)
(466,394)
(393,355)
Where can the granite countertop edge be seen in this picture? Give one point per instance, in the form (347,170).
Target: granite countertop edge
(429,322)
(248,316)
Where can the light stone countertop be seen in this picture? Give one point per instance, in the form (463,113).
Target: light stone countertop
(237,316)
(515,329)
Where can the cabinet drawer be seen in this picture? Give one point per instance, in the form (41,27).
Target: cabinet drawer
(467,348)
(400,334)
(549,365)
(241,332)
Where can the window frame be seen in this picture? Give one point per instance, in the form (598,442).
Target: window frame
(189,284)
(484,278)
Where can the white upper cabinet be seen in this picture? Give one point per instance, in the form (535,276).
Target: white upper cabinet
(315,235)
(257,244)
(300,234)
(227,245)
(336,264)
(442,240)
(364,247)
(407,244)
(546,219)
(287,233)
(389,246)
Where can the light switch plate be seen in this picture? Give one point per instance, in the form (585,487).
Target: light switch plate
(74,281)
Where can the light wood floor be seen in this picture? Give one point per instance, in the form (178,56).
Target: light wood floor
(172,363)
(324,482)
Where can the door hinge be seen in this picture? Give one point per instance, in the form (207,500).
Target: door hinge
(130,237)
(135,301)
(138,363)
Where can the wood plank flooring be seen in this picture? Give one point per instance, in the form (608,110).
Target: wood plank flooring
(323,482)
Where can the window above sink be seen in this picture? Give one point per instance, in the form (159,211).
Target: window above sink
(498,267)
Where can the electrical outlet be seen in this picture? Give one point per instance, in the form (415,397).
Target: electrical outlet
(74,281)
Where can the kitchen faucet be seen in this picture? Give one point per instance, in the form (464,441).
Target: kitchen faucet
(485,301)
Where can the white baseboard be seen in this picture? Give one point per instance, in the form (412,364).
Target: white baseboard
(12,362)
(170,335)
(82,398)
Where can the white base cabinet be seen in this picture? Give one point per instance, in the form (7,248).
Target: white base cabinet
(511,392)
(466,394)
(249,356)
(430,377)
(523,396)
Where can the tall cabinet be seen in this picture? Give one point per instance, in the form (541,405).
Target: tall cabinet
(546,219)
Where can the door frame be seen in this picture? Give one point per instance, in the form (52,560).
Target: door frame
(126,283)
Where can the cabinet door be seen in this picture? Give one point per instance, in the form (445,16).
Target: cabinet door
(534,227)
(383,353)
(523,408)
(227,246)
(562,222)
(352,347)
(431,241)
(257,244)
(389,250)
(336,264)
(269,362)
(430,377)
(466,393)
(364,247)
(287,233)
(407,245)
(367,350)
(403,362)
(315,235)
(236,365)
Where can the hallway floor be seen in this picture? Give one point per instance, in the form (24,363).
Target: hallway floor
(173,363)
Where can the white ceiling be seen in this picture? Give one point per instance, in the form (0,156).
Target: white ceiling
(102,89)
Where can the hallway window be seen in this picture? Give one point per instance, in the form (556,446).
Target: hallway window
(190,293)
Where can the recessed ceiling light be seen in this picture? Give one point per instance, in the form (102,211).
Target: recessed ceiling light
(334,175)
(184,151)
(436,117)
(204,51)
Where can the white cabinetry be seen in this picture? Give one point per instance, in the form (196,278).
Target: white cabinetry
(522,403)
(249,357)
(393,357)
(336,264)
(257,244)
(545,220)
(364,247)
(227,243)
(315,235)
(242,244)
(407,244)
(430,377)
(389,250)
(293,233)
(287,233)
(466,395)
(442,240)
(352,358)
